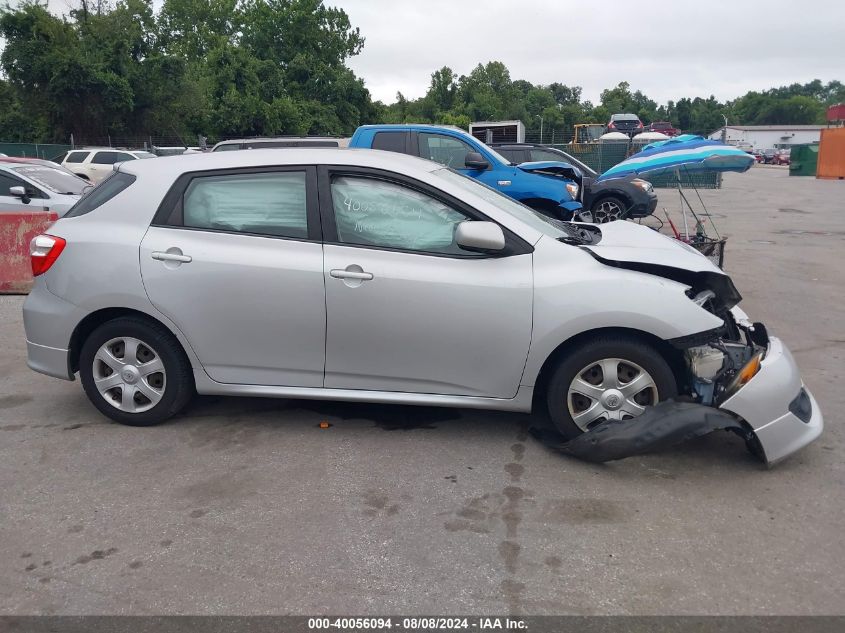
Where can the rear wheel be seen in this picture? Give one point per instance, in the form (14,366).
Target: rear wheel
(607,378)
(135,372)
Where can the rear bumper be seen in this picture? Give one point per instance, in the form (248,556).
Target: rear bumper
(766,404)
(49,322)
(52,361)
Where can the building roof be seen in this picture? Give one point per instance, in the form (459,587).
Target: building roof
(774,128)
(496,123)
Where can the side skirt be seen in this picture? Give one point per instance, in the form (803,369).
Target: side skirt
(521,403)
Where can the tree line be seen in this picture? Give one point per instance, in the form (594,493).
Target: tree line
(229,68)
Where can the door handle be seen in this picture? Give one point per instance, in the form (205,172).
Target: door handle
(171,257)
(340,273)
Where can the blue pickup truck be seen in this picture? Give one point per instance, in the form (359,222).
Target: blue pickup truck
(548,186)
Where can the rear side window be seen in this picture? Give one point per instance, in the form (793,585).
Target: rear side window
(77,157)
(101,194)
(264,203)
(390,141)
(516,156)
(227,147)
(106,158)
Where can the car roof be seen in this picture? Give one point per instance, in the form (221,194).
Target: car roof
(271,139)
(186,163)
(20,159)
(413,126)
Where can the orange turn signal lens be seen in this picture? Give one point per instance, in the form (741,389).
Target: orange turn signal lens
(750,370)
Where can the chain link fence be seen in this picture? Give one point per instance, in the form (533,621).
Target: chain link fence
(581,143)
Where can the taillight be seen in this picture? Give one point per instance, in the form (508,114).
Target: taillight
(44,250)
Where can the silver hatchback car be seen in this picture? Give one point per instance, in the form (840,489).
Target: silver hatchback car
(370,276)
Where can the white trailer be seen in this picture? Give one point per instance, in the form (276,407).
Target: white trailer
(498,131)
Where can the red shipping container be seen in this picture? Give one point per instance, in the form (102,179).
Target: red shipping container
(836,112)
(16,231)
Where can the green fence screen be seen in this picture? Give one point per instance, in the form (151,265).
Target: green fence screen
(33,150)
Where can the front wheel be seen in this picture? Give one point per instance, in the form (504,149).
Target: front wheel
(607,378)
(609,209)
(135,372)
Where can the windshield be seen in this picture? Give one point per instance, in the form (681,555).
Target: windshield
(556,229)
(56,180)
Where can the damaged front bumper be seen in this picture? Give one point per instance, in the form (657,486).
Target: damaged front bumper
(774,412)
(778,409)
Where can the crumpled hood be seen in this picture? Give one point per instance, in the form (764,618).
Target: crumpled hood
(636,247)
(623,241)
(552,168)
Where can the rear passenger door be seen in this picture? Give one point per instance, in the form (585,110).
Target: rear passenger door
(235,259)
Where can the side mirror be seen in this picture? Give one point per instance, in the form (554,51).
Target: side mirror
(484,237)
(19,192)
(474,160)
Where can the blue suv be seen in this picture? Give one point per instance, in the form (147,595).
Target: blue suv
(547,186)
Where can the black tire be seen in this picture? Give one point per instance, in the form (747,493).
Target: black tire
(622,205)
(178,388)
(593,350)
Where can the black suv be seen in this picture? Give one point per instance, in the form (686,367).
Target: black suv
(615,199)
(629,124)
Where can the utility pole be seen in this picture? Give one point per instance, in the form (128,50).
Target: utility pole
(540,116)
(725,130)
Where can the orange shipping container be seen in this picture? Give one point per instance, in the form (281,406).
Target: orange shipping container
(832,154)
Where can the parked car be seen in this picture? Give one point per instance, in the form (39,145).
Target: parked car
(614,199)
(664,127)
(782,157)
(285,141)
(401,281)
(548,186)
(38,161)
(94,164)
(629,124)
(28,184)
(768,156)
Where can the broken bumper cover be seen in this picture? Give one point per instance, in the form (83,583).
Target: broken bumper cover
(773,412)
(778,408)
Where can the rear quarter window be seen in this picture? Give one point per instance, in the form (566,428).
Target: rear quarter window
(101,194)
(390,141)
(77,157)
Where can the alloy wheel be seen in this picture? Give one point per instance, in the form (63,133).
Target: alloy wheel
(607,211)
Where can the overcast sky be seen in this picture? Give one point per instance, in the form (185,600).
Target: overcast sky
(666,48)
